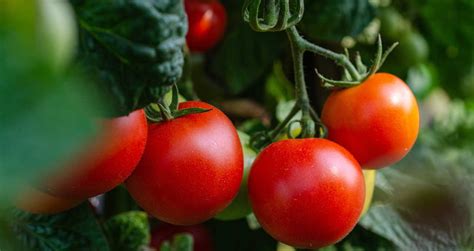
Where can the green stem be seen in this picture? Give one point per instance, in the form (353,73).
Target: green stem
(302,98)
(340,59)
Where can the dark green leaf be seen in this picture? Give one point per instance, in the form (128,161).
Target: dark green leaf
(74,230)
(133,48)
(244,56)
(334,19)
(128,231)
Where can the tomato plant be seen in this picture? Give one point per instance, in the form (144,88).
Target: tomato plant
(306,192)
(202,238)
(272,161)
(377,121)
(207,22)
(105,163)
(191,169)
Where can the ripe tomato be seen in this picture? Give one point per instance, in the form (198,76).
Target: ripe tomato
(35,201)
(191,169)
(240,206)
(107,162)
(207,21)
(306,193)
(377,121)
(202,238)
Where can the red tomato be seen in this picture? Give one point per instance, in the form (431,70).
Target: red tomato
(202,238)
(207,22)
(35,201)
(307,193)
(191,169)
(106,163)
(377,121)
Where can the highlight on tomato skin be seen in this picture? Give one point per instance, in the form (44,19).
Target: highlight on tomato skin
(105,163)
(207,21)
(307,193)
(377,121)
(191,169)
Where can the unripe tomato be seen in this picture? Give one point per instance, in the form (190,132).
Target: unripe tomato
(306,193)
(106,163)
(35,201)
(57,30)
(377,121)
(369,178)
(202,238)
(207,21)
(191,169)
(393,25)
(413,49)
(240,206)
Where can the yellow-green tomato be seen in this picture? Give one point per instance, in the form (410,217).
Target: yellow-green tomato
(240,206)
(369,177)
(57,31)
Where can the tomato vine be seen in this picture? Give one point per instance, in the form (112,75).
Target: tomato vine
(283,15)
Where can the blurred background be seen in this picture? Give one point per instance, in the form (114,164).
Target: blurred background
(425,202)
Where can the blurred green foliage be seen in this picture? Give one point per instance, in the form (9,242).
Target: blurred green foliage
(46,113)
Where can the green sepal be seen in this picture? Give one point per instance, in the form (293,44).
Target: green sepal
(189,111)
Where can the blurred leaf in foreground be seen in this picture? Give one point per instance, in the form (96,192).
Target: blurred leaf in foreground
(425,203)
(45,115)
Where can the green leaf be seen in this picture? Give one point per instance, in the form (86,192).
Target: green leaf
(334,19)
(76,230)
(128,231)
(133,48)
(45,116)
(247,55)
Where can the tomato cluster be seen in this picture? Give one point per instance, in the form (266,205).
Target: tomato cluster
(304,192)
(310,193)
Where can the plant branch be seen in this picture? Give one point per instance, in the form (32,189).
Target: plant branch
(339,59)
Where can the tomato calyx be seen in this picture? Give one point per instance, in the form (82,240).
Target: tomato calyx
(160,111)
(350,80)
